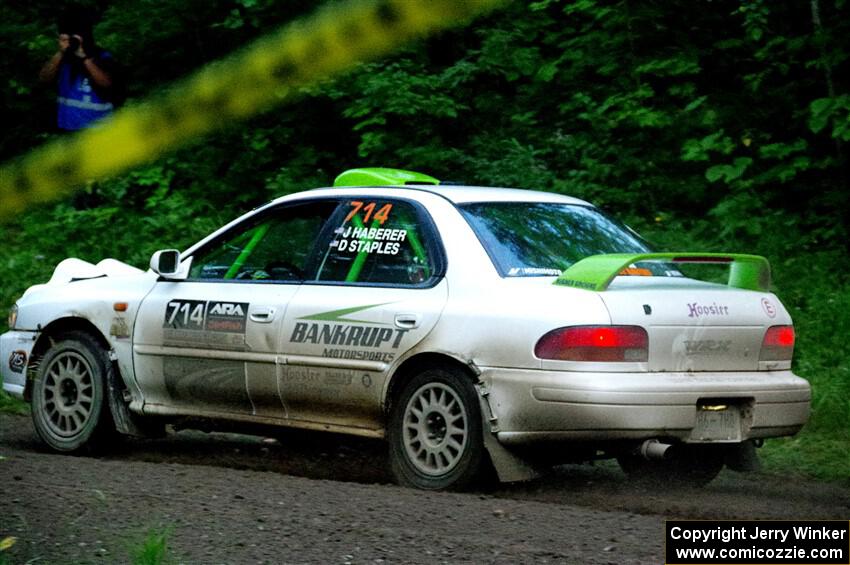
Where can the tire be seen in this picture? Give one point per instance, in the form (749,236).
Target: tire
(687,466)
(69,408)
(435,431)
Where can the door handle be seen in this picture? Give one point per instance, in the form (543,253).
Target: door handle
(407,321)
(262,315)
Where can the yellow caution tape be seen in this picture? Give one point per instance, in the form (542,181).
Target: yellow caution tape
(268,72)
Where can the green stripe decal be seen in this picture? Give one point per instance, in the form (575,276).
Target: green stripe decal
(337,315)
(750,272)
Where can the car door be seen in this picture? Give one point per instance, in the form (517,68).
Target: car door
(209,344)
(377,291)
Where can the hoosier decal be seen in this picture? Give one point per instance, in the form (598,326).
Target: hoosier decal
(696,310)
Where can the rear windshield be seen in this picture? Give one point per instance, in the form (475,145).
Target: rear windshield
(542,239)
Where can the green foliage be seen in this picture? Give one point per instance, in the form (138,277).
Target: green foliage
(729,173)
(833,113)
(711,126)
(9,405)
(6,544)
(153,550)
(822,455)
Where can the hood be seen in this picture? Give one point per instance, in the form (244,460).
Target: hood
(74,269)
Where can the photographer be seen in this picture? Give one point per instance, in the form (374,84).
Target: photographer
(83,73)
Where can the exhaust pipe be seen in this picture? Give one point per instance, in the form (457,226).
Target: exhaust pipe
(652,449)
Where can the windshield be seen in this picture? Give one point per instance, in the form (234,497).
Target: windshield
(526,239)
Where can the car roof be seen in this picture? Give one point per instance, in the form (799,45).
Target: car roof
(458,194)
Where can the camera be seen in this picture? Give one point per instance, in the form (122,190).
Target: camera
(73,45)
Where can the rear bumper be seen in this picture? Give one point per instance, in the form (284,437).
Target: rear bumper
(15,351)
(532,406)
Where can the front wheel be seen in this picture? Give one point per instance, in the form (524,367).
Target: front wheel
(435,431)
(68,408)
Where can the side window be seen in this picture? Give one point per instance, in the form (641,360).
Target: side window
(379,242)
(274,247)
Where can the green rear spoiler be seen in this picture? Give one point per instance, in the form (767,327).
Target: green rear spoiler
(750,272)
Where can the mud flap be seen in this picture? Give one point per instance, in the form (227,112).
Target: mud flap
(743,458)
(125,421)
(509,467)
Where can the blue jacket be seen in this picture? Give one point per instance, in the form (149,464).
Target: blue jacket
(80,103)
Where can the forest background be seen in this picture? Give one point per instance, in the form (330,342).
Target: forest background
(707,125)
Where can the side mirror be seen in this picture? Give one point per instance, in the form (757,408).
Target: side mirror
(166,263)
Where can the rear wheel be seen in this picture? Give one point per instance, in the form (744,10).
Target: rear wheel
(435,431)
(68,408)
(687,465)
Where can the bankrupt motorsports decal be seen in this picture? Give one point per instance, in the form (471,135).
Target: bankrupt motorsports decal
(350,338)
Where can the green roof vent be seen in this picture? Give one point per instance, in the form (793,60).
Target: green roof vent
(377,176)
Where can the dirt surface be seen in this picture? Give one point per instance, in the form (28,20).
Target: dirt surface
(226,498)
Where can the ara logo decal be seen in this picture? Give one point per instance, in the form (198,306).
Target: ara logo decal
(226,317)
(226,309)
(17,361)
(697,310)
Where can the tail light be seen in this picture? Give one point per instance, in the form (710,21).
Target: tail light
(595,343)
(778,344)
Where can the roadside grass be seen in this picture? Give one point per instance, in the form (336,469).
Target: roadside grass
(6,544)
(9,405)
(153,549)
(812,454)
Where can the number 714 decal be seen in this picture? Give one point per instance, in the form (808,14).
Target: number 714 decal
(381,216)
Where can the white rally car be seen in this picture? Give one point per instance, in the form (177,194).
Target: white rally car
(468,326)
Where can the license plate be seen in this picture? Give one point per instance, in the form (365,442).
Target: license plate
(716,423)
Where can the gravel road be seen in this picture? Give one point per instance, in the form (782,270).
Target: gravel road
(226,498)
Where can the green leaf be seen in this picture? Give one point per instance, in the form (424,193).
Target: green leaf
(782,150)
(728,173)
(674,66)
(695,104)
(820,111)
(548,71)
(701,149)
